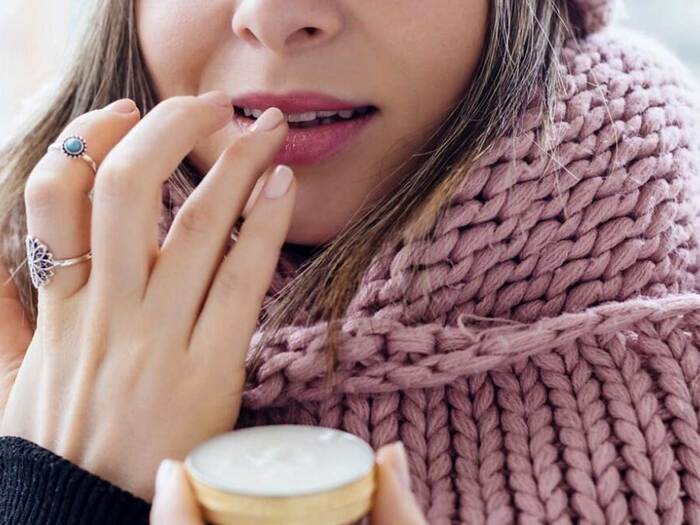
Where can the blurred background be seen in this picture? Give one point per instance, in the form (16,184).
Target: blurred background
(37,36)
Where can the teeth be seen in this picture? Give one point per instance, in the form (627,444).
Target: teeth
(303,117)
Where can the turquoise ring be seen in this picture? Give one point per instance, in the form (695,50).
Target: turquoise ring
(75,147)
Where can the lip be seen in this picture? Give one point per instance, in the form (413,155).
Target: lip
(296,102)
(309,145)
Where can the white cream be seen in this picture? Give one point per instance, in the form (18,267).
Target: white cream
(281,460)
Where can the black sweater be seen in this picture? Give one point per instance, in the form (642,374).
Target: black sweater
(38,487)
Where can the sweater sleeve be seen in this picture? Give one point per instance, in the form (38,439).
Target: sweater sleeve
(39,487)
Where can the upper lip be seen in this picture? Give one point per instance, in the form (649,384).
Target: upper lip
(296,102)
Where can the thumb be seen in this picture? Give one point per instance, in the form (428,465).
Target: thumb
(394,501)
(174,502)
(15,334)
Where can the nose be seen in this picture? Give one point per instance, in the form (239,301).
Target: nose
(286,26)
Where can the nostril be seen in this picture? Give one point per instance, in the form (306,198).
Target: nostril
(249,36)
(304,36)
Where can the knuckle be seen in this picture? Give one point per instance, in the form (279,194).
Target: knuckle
(194,219)
(42,190)
(234,151)
(239,154)
(248,157)
(259,152)
(117,177)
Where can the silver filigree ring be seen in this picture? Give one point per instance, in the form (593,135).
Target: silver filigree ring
(42,264)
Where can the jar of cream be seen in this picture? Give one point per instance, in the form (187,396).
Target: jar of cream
(283,475)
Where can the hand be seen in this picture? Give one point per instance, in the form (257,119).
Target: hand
(139,353)
(15,335)
(175,504)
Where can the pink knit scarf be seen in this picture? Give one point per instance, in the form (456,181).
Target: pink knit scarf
(552,372)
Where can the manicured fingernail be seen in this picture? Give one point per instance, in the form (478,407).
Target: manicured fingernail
(123,105)
(165,475)
(269,120)
(279,182)
(400,466)
(217,97)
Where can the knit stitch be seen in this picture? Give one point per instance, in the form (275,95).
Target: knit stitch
(552,371)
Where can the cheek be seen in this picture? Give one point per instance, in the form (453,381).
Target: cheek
(172,41)
(439,49)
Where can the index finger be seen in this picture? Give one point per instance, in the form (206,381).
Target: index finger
(127,199)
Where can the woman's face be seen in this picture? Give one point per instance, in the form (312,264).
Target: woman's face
(410,59)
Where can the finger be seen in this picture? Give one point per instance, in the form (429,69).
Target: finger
(174,502)
(194,246)
(56,193)
(129,188)
(232,306)
(394,501)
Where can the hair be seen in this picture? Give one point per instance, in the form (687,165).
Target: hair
(519,61)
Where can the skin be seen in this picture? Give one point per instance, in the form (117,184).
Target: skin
(388,53)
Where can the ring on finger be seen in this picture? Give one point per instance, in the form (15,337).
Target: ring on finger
(75,146)
(42,263)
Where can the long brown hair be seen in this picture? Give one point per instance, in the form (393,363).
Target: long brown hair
(519,59)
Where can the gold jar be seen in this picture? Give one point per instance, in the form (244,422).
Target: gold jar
(283,475)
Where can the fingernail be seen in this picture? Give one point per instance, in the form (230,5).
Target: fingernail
(123,105)
(279,182)
(165,474)
(217,97)
(269,120)
(401,465)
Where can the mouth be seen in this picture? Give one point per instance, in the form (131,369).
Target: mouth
(314,136)
(308,119)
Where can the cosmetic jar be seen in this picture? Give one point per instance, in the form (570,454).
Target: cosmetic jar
(283,475)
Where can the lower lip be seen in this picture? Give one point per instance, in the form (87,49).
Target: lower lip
(312,145)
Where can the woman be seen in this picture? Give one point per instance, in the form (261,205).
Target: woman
(510,169)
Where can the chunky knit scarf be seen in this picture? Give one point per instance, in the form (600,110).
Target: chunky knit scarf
(552,374)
